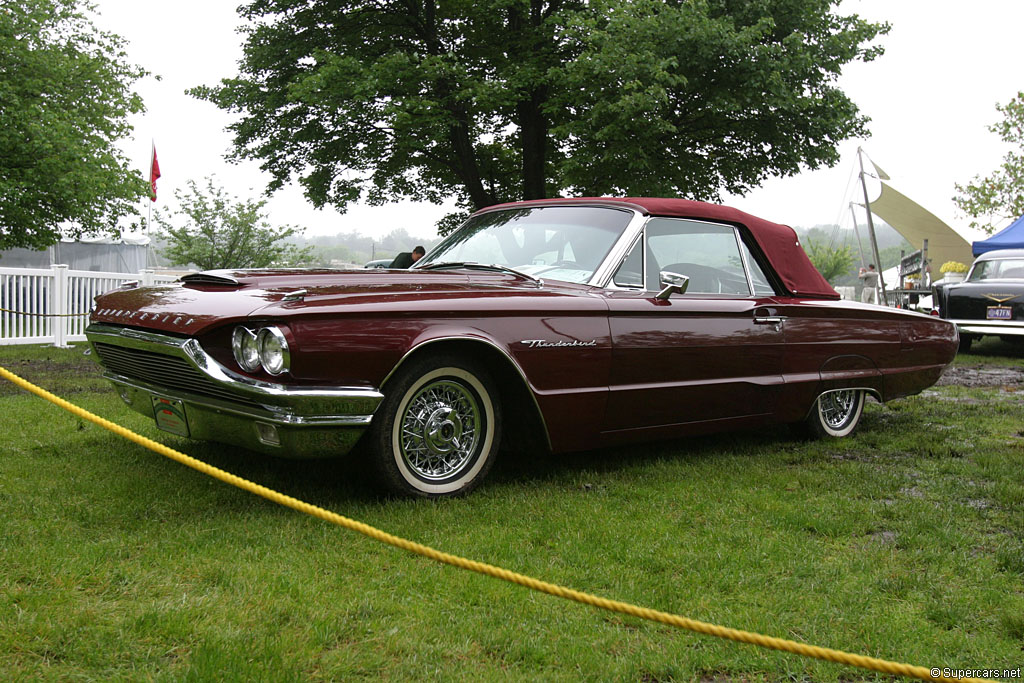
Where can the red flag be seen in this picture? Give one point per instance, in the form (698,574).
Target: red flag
(154,173)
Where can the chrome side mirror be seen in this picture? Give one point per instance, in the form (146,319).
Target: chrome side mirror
(672,283)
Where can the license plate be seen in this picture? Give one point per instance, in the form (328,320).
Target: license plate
(1000,313)
(170,415)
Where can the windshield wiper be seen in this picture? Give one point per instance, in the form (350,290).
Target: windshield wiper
(472,265)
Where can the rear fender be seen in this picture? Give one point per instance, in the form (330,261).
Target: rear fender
(852,371)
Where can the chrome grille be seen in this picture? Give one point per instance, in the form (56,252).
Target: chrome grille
(160,370)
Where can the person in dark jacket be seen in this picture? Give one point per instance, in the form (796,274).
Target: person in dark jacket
(406,259)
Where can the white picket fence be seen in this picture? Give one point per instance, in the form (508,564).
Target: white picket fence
(51,305)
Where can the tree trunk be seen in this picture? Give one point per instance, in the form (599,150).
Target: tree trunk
(533,134)
(465,161)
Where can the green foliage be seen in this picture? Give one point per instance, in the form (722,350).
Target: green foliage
(998,197)
(214,230)
(832,262)
(65,94)
(502,100)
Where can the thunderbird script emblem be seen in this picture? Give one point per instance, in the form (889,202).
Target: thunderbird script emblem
(544,344)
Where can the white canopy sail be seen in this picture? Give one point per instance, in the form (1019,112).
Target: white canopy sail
(917,224)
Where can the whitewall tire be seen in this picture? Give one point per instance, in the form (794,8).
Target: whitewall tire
(836,413)
(437,431)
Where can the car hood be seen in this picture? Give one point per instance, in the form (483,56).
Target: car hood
(199,301)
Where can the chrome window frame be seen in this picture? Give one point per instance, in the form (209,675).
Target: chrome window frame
(609,282)
(634,234)
(622,247)
(604,271)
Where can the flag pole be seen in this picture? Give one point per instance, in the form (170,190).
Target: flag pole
(154,173)
(149,204)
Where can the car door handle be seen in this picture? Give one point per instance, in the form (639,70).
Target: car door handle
(768,320)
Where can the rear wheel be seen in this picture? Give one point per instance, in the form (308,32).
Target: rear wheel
(437,431)
(965,343)
(836,413)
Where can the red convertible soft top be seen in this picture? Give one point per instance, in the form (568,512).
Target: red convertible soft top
(778,242)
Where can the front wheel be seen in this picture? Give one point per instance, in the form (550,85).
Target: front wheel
(437,431)
(836,413)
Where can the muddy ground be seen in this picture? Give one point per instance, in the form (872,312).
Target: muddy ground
(983,376)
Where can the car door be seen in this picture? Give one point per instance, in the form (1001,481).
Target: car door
(711,354)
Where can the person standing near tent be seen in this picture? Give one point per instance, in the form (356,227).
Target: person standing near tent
(869,294)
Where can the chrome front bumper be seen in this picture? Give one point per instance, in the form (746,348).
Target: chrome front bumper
(994,327)
(224,406)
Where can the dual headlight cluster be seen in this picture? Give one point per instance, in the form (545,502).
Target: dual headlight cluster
(263,348)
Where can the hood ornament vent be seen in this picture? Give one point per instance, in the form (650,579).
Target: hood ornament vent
(210,277)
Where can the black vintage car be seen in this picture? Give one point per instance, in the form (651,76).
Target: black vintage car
(990,300)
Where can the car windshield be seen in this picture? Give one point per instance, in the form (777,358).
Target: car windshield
(998,269)
(565,243)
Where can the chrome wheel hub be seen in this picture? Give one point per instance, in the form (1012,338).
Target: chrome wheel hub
(441,427)
(443,431)
(837,407)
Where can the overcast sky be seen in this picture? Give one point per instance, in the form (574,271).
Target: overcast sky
(930,98)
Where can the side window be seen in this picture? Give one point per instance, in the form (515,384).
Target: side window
(761,285)
(707,253)
(631,272)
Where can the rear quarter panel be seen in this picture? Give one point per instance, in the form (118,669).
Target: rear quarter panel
(837,344)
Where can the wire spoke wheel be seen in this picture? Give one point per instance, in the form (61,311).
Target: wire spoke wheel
(838,407)
(835,413)
(440,430)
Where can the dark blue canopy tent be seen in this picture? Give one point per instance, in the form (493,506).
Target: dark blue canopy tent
(1010,237)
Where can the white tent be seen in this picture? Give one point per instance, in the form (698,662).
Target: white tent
(99,254)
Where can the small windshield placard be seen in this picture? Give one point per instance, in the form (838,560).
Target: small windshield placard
(170,415)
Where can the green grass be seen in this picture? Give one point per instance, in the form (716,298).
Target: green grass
(904,542)
(993,351)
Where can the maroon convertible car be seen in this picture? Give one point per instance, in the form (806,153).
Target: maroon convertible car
(570,324)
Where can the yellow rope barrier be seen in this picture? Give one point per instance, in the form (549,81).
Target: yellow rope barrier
(44,315)
(705,628)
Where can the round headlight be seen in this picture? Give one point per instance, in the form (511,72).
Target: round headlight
(246,348)
(273,350)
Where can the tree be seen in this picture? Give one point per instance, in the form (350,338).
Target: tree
(65,94)
(497,100)
(832,262)
(218,231)
(999,196)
